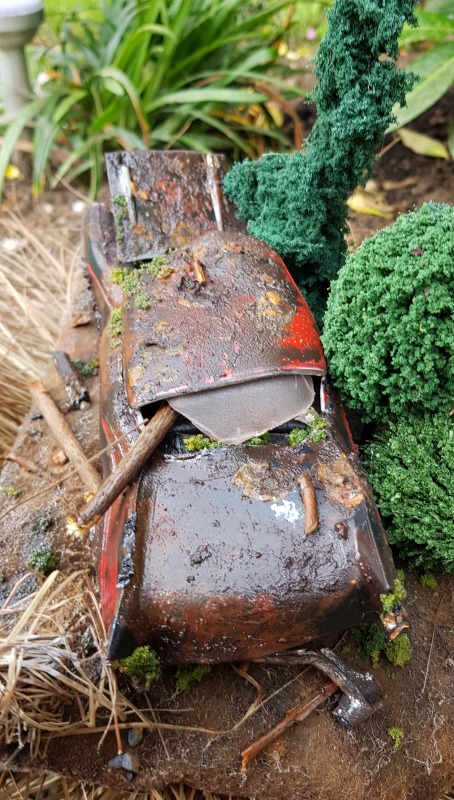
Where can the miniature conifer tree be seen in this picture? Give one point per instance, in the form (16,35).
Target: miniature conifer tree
(298,203)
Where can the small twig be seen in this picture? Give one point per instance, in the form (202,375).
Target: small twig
(65,436)
(113,485)
(21,462)
(296,714)
(309,502)
(431,646)
(388,146)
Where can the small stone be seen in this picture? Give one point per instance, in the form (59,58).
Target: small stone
(59,458)
(135,736)
(127,761)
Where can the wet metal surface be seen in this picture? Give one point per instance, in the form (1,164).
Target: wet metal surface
(225,574)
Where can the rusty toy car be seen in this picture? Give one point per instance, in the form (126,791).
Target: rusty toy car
(255,545)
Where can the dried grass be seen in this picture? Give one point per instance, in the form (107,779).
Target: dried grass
(34,285)
(47,787)
(47,685)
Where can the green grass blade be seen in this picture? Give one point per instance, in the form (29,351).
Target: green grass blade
(162,66)
(123,80)
(12,135)
(207,94)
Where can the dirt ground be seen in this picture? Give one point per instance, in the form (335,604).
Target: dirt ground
(316,760)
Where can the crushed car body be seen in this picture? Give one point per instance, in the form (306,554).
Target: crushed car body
(252,528)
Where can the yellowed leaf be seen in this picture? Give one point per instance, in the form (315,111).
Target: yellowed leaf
(12,173)
(421,144)
(372,203)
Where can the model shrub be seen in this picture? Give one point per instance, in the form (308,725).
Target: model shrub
(298,203)
(411,468)
(389,325)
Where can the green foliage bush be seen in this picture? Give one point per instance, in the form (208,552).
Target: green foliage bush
(298,203)
(411,468)
(389,326)
(148,74)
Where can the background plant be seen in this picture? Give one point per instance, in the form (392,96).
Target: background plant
(298,204)
(389,327)
(434,67)
(157,73)
(411,468)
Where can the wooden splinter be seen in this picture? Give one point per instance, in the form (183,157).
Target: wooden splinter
(124,474)
(296,714)
(65,436)
(309,502)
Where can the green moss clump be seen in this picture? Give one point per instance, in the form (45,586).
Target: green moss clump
(428,580)
(371,641)
(395,598)
(120,200)
(43,561)
(42,523)
(142,663)
(389,327)
(199,442)
(87,368)
(10,491)
(411,469)
(188,674)
(398,651)
(115,326)
(129,280)
(265,438)
(297,436)
(314,432)
(142,301)
(117,275)
(298,203)
(158,267)
(397,735)
(131,283)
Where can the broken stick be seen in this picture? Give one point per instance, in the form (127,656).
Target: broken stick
(65,436)
(309,499)
(296,714)
(129,466)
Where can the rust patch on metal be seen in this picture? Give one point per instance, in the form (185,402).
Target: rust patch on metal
(165,200)
(340,482)
(258,481)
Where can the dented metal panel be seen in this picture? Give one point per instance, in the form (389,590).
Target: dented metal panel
(244,320)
